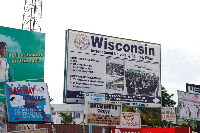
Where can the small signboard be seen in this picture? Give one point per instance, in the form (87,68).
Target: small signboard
(27,101)
(192,88)
(168,114)
(103,114)
(130,120)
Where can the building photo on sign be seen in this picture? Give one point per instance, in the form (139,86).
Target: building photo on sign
(126,71)
(27,101)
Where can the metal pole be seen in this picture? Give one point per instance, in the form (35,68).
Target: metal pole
(137,110)
(90,128)
(103,129)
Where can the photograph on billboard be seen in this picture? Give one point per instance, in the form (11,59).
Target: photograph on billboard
(130,120)
(103,114)
(188,105)
(122,69)
(21,54)
(192,88)
(168,114)
(27,102)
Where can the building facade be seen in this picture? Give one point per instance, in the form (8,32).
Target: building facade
(75,110)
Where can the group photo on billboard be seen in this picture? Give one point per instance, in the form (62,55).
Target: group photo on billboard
(120,68)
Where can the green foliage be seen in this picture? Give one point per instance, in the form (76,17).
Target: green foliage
(166,98)
(66,118)
(160,124)
(191,123)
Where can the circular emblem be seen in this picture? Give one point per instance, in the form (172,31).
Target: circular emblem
(81,42)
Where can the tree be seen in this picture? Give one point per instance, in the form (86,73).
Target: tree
(151,116)
(166,98)
(66,118)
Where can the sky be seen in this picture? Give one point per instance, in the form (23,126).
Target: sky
(175,25)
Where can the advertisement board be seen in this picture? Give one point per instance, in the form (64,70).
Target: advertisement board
(103,114)
(130,120)
(92,97)
(188,105)
(192,88)
(168,114)
(27,101)
(122,69)
(21,56)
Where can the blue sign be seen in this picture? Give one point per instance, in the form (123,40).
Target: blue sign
(27,101)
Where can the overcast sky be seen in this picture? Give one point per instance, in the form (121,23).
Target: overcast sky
(173,24)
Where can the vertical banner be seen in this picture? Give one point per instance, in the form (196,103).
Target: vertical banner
(126,71)
(103,114)
(188,105)
(168,114)
(27,101)
(21,56)
(130,120)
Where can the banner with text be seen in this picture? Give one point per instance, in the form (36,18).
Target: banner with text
(188,105)
(168,114)
(21,56)
(192,88)
(27,101)
(103,114)
(92,97)
(122,69)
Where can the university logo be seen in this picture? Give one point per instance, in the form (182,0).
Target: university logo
(82,42)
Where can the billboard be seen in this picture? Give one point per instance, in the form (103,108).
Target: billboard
(103,114)
(168,114)
(122,69)
(192,88)
(21,56)
(27,101)
(130,120)
(188,105)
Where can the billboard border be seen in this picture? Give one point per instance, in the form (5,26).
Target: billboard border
(66,58)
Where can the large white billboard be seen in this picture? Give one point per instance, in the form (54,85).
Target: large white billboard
(189,105)
(122,69)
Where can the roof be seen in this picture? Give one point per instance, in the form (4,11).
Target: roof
(67,107)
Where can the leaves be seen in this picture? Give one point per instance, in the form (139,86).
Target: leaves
(66,118)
